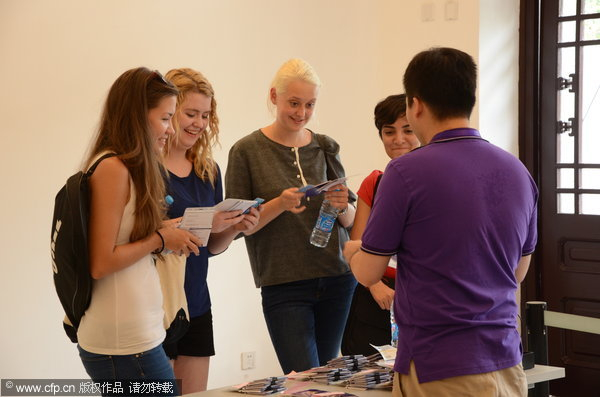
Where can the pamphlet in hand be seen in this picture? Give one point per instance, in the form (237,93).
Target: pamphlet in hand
(231,204)
(198,220)
(315,190)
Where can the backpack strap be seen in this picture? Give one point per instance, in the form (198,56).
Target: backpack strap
(331,170)
(334,168)
(377,185)
(91,170)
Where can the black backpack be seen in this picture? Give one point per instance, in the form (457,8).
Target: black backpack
(69,248)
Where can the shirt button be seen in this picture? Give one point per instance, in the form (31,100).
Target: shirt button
(298,176)
(295,163)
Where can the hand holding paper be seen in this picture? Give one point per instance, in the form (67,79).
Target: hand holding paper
(314,190)
(223,220)
(200,220)
(290,200)
(337,195)
(249,220)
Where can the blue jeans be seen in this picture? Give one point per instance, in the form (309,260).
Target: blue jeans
(149,366)
(306,319)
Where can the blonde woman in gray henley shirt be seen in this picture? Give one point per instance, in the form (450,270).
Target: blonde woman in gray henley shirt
(306,290)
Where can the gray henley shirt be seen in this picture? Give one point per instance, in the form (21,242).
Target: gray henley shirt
(281,252)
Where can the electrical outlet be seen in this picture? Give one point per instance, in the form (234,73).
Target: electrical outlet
(248,360)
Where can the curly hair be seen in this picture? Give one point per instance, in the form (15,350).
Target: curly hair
(189,80)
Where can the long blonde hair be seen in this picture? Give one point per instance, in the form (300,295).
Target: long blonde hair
(189,80)
(124,129)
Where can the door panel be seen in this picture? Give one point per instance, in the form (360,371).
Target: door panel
(568,252)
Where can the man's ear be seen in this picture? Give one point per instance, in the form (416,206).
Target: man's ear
(417,107)
(273,95)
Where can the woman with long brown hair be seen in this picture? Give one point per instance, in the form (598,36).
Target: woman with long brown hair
(121,332)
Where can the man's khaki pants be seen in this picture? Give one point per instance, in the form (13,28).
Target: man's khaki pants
(508,382)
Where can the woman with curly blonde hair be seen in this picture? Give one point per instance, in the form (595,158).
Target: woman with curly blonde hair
(195,181)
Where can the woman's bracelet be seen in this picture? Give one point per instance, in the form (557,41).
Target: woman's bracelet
(162,240)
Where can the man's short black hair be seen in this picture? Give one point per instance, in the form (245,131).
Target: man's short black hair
(445,79)
(389,110)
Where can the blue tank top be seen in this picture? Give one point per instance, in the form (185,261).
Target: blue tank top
(192,191)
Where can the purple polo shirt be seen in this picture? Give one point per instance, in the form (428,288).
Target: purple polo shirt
(459,213)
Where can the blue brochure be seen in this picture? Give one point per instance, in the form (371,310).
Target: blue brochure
(315,190)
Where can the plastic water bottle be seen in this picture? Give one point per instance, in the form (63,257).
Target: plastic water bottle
(393,327)
(322,230)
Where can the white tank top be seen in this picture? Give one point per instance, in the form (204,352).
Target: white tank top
(125,314)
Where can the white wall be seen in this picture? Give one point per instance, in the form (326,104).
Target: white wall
(60,57)
(499,72)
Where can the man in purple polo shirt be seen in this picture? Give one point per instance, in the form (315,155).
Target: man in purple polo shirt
(460,213)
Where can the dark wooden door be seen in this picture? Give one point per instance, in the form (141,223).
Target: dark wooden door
(568,143)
